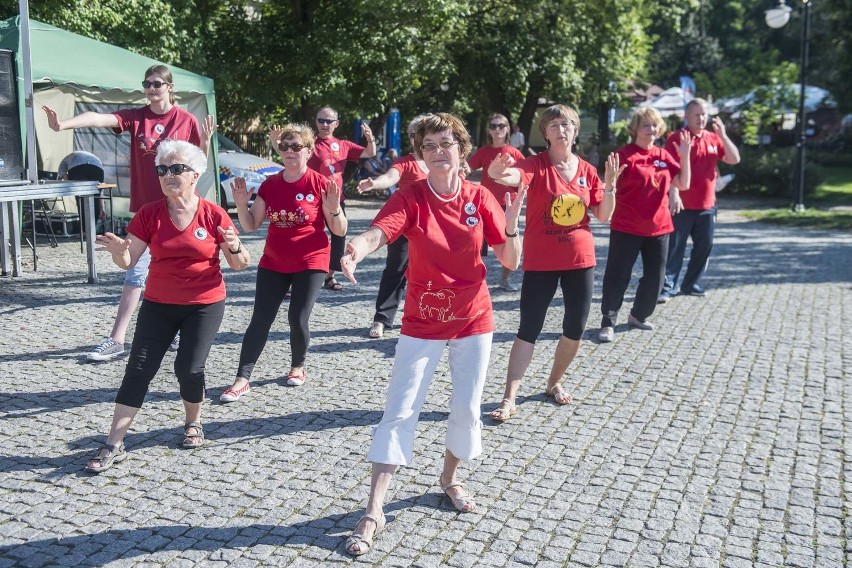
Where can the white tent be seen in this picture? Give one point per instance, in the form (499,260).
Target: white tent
(672,102)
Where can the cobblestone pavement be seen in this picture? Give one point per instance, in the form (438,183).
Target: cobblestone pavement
(719,439)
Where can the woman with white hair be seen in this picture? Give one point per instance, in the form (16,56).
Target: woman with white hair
(185,291)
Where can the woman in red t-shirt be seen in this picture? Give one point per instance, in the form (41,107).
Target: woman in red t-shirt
(404,171)
(559,249)
(498,133)
(445,219)
(185,291)
(641,222)
(298,202)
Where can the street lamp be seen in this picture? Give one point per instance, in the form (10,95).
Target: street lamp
(778,18)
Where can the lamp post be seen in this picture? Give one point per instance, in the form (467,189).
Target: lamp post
(778,18)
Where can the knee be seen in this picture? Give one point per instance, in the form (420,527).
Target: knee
(191,381)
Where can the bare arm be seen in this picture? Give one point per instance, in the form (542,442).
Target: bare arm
(509,253)
(384,181)
(358,248)
(236,260)
(84,120)
(125,252)
(732,153)
(370,150)
(333,213)
(603,210)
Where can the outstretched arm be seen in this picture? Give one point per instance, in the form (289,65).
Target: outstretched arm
(359,247)
(84,120)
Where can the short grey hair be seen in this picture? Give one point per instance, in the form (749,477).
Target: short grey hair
(191,154)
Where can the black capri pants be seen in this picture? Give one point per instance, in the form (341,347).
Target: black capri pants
(156,327)
(268,295)
(537,291)
(338,245)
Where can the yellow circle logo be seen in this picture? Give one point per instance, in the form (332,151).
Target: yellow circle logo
(567,210)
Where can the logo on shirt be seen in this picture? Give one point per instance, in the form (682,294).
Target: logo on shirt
(581,181)
(285,219)
(567,209)
(472,221)
(300,196)
(159,128)
(335,146)
(469,208)
(309,198)
(201,233)
(660,164)
(712,149)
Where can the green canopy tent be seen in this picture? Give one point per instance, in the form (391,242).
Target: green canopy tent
(72,74)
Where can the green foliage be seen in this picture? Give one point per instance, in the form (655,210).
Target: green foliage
(770,171)
(809,219)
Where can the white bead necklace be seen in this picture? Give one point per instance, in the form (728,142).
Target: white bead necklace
(442,198)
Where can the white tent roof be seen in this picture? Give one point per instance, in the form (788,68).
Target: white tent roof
(672,101)
(815,97)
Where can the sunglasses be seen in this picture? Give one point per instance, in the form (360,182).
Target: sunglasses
(283,146)
(174,169)
(497,126)
(326,121)
(155,84)
(429,148)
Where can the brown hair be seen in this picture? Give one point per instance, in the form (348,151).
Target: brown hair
(508,129)
(439,122)
(165,74)
(298,130)
(559,111)
(646,113)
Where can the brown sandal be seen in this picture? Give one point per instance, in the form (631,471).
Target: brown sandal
(106,457)
(193,440)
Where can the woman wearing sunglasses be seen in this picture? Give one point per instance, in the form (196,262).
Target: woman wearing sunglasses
(148,126)
(185,291)
(498,134)
(445,220)
(299,203)
(406,170)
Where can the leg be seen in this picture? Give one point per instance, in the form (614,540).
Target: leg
(113,451)
(392,284)
(134,284)
(373,521)
(306,287)
(577,288)
(703,232)
(623,251)
(654,251)
(683,222)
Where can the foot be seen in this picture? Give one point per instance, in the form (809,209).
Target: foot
(558,394)
(460,498)
(633,321)
(193,435)
(106,457)
(664,297)
(361,540)
(606,334)
(506,410)
(508,286)
(108,349)
(235,391)
(332,284)
(377,330)
(297,377)
(695,290)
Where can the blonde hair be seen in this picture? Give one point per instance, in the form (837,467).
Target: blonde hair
(298,130)
(440,122)
(559,111)
(649,114)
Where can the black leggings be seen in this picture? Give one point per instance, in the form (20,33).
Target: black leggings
(338,247)
(392,285)
(156,327)
(537,291)
(268,295)
(624,248)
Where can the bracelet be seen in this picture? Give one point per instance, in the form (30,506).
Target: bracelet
(610,192)
(510,235)
(239,249)
(339,211)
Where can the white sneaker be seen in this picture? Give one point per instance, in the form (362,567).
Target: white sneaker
(175,343)
(633,321)
(606,334)
(108,349)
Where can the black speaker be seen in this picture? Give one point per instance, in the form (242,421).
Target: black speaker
(11,156)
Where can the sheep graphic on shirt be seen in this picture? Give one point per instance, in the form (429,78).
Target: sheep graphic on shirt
(436,304)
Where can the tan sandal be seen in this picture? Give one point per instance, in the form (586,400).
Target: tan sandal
(504,411)
(363,543)
(463,502)
(193,440)
(558,394)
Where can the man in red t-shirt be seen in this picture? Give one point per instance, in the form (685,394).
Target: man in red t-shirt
(697,218)
(329,158)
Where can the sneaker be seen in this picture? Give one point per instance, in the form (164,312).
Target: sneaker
(635,322)
(664,297)
(297,380)
(233,395)
(508,286)
(175,343)
(108,349)
(606,334)
(696,290)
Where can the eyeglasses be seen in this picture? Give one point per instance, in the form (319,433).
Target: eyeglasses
(497,126)
(283,146)
(155,84)
(327,121)
(444,145)
(174,169)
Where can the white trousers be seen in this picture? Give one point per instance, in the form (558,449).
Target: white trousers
(413,368)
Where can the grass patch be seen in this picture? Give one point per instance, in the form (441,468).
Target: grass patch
(837,187)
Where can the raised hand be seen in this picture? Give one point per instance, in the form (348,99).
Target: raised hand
(240,191)
(208,128)
(613,170)
(685,144)
(112,243)
(366,131)
(331,197)
(365,185)
(719,127)
(513,207)
(52,119)
(230,236)
(275,133)
(499,165)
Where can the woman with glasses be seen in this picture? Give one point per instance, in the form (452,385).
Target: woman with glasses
(329,158)
(185,291)
(148,126)
(642,221)
(498,134)
(406,170)
(559,250)
(445,219)
(299,203)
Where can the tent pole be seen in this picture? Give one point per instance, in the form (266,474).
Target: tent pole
(26,59)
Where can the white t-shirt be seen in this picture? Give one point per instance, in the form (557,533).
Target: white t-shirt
(516,139)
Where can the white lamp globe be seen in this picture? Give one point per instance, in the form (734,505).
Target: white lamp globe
(778,17)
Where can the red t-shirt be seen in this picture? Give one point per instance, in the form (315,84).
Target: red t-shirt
(707,149)
(557,234)
(147,129)
(296,239)
(330,157)
(642,201)
(408,170)
(483,158)
(447,297)
(184,264)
